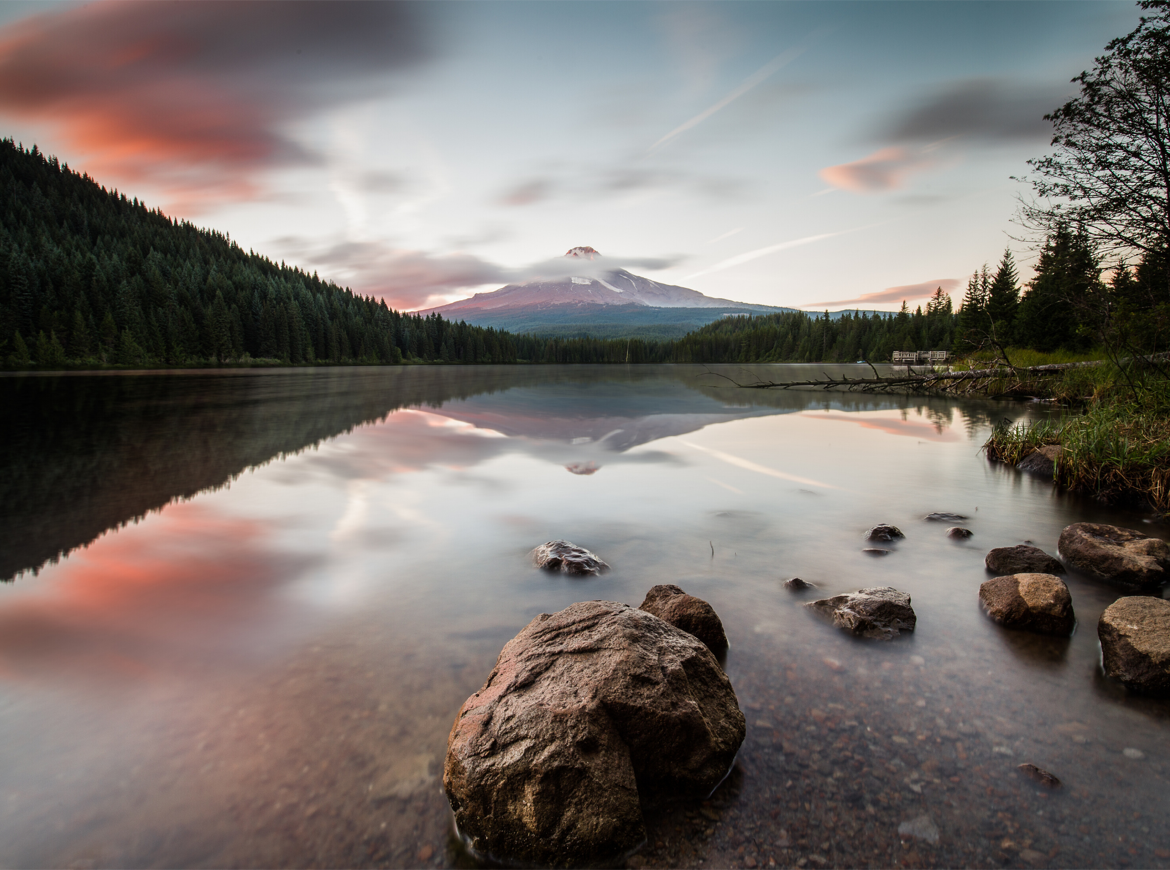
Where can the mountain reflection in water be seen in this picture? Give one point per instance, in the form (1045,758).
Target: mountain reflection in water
(273,590)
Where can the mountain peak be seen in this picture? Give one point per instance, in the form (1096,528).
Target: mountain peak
(583,252)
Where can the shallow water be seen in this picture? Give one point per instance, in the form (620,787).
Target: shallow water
(276,589)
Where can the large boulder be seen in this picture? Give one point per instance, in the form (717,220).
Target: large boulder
(693,615)
(1135,643)
(1033,602)
(1117,556)
(589,714)
(880,612)
(1021,559)
(566,558)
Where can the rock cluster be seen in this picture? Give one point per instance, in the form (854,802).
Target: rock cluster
(1135,643)
(1022,559)
(693,615)
(880,612)
(1033,602)
(1117,556)
(589,714)
(566,558)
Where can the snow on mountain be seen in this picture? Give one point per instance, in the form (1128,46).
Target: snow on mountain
(593,285)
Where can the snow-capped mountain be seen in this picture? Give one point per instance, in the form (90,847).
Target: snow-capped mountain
(606,295)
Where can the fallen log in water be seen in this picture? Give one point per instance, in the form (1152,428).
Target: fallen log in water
(994,382)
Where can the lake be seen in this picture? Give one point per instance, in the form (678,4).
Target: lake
(244,608)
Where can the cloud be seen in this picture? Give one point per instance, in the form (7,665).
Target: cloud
(756,78)
(906,292)
(196,95)
(602,182)
(883,170)
(405,278)
(982,108)
(739,259)
(408,279)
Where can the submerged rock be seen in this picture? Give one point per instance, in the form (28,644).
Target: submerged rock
(920,828)
(880,612)
(1039,774)
(1117,556)
(1032,602)
(1041,461)
(884,532)
(875,551)
(1021,559)
(566,558)
(589,714)
(944,517)
(958,533)
(693,615)
(1135,643)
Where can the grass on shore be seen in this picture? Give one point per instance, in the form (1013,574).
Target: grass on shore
(1116,450)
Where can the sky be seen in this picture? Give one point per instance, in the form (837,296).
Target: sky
(816,155)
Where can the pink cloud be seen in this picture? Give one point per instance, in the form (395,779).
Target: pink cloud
(906,292)
(191,95)
(883,170)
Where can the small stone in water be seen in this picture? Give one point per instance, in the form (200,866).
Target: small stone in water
(1130,752)
(920,828)
(875,551)
(566,558)
(958,533)
(944,517)
(1039,774)
(884,532)
(797,585)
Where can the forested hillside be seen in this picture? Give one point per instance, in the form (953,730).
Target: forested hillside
(88,276)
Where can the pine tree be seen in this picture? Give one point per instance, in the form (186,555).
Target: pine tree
(973,321)
(1003,298)
(1059,299)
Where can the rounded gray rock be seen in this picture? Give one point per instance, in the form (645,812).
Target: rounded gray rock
(884,532)
(1022,559)
(1135,643)
(566,558)
(1039,603)
(1117,556)
(1041,461)
(880,612)
(589,714)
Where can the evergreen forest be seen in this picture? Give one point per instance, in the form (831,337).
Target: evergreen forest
(90,278)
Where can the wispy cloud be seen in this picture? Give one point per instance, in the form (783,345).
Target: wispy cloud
(197,96)
(883,170)
(906,292)
(756,78)
(747,257)
(980,108)
(411,279)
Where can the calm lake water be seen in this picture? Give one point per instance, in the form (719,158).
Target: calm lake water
(245,608)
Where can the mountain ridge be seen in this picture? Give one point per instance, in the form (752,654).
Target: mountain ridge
(553,300)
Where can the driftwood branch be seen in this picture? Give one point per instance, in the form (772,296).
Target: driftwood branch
(1007,381)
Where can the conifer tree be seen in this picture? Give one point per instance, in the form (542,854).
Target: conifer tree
(1003,298)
